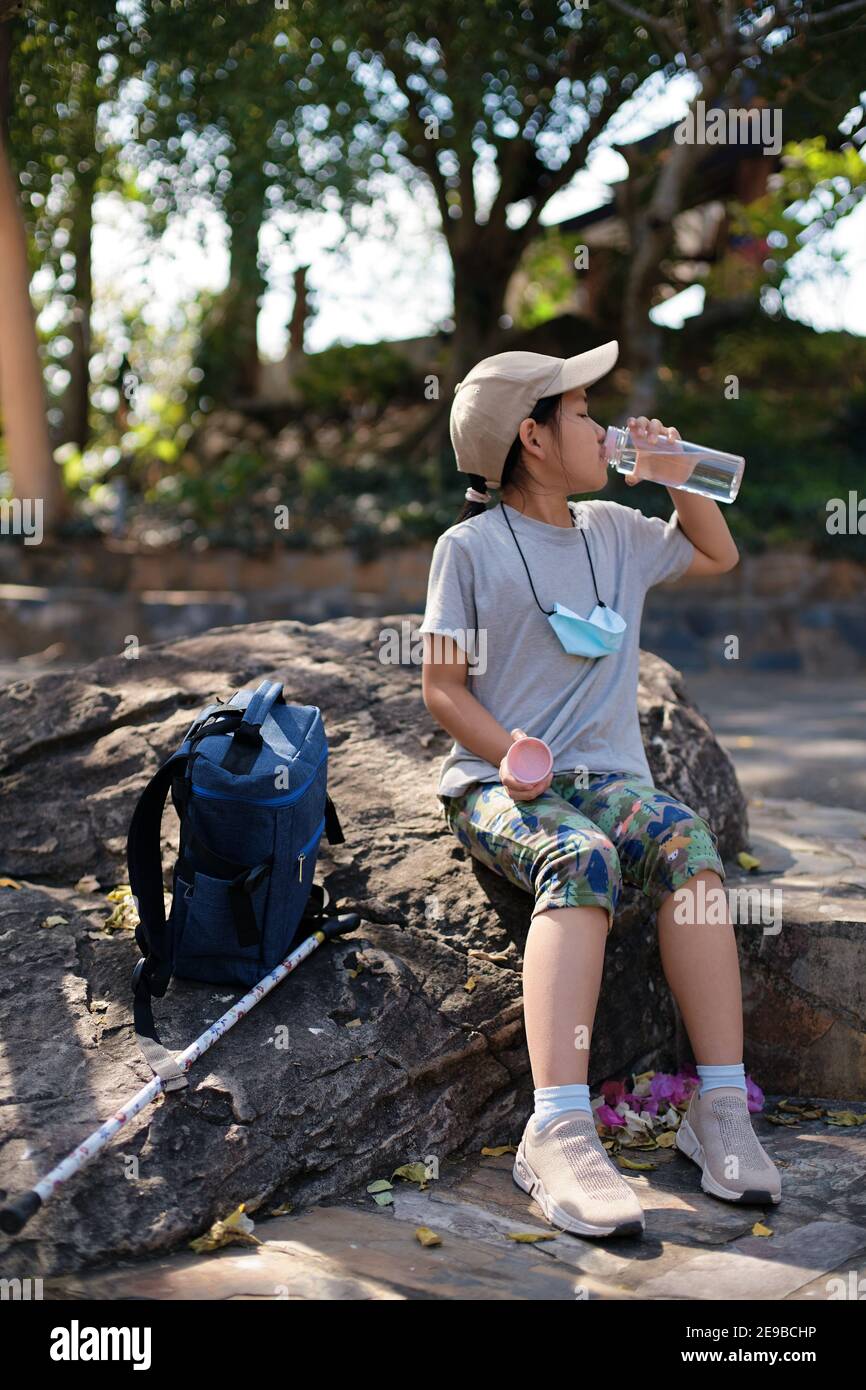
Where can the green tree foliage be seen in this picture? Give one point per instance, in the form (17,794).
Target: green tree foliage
(68,63)
(229,107)
(268,111)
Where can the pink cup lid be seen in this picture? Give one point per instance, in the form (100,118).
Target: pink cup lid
(529,760)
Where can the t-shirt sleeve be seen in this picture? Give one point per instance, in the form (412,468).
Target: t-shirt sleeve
(451,594)
(661,549)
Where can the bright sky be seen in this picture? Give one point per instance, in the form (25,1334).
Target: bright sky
(393,283)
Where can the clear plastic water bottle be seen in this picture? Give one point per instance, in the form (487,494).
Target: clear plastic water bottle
(676,463)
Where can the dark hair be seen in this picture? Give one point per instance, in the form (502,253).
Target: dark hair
(544,412)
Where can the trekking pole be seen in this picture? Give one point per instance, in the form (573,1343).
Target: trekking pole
(17,1211)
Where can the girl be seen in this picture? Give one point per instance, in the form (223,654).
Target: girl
(508,590)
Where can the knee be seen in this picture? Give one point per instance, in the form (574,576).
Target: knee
(684,848)
(580,868)
(688,832)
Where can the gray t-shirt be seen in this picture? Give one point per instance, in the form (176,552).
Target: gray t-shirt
(584,708)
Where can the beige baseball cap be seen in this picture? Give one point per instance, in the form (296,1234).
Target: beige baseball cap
(500,391)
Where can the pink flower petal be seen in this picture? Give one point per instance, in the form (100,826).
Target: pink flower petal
(613,1092)
(754,1095)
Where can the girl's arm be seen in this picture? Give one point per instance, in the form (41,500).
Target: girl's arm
(700,518)
(443,685)
(451,703)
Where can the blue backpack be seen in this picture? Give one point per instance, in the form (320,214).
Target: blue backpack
(249,784)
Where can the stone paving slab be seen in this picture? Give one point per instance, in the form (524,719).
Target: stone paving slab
(815,854)
(787,733)
(342,1253)
(800,920)
(754,1269)
(696,1247)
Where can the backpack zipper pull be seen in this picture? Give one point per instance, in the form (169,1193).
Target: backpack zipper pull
(301,858)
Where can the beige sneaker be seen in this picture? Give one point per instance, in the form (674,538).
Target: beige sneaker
(716,1133)
(564,1166)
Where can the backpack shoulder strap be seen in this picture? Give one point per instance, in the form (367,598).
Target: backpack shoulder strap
(333,829)
(152,974)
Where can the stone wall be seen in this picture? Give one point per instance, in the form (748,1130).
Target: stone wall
(789,610)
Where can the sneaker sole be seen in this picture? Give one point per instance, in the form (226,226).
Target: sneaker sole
(688,1143)
(531,1183)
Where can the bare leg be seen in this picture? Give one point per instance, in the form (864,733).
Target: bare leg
(703,970)
(562,969)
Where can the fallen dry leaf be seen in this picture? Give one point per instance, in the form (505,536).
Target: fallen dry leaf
(381,1192)
(747,861)
(120,893)
(236,1229)
(412,1172)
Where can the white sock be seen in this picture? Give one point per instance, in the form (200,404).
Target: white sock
(729,1074)
(556,1100)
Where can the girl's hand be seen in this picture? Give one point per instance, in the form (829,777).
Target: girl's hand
(520,791)
(645,433)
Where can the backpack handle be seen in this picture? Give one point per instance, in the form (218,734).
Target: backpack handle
(264,698)
(246,739)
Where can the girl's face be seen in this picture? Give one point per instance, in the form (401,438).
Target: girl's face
(573,462)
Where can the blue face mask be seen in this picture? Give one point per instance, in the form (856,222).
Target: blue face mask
(598,635)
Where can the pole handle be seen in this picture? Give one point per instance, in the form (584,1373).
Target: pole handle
(339,926)
(15,1213)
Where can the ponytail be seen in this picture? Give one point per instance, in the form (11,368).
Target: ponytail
(470,508)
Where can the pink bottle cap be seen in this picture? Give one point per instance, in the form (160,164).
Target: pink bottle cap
(529,760)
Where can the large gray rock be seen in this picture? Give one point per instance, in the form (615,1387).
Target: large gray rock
(396,1063)
(802,941)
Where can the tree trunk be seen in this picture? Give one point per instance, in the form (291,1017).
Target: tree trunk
(22,401)
(651,233)
(481,276)
(245,290)
(230,355)
(298,321)
(76,404)
(642,338)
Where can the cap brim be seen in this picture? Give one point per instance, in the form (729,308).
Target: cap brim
(585,368)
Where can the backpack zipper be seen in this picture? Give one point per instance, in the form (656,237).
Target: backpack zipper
(303,854)
(259,801)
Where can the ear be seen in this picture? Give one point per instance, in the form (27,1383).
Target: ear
(528,432)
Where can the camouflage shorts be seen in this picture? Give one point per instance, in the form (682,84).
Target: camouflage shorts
(575,846)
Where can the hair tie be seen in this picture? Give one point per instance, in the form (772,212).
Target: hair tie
(473,495)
